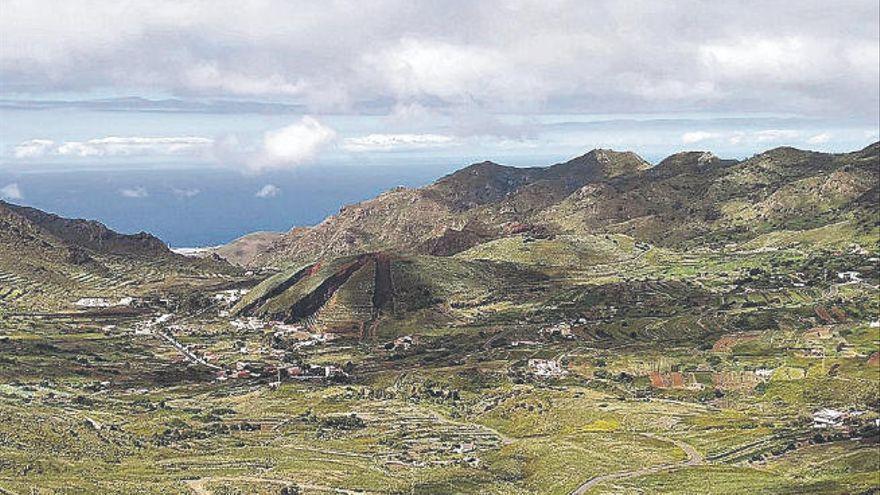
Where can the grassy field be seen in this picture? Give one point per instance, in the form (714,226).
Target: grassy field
(677,372)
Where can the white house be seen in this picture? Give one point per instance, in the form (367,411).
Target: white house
(828,418)
(93,302)
(546,367)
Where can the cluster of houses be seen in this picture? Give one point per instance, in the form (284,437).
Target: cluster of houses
(229,297)
(561,329)
(828,418)
(245,370)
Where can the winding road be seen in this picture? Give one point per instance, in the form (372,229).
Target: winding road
(694,459)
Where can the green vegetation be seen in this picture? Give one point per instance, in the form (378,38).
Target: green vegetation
(611,356)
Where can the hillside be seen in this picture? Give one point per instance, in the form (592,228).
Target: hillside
(689,198)
(693,198)
(478,203)
(351,294)
(47,261)
(242,251)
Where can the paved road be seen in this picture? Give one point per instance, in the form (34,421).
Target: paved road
(694,459)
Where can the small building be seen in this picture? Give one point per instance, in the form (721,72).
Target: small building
(546,368)
(331,371)
(92,302)
(464,448)
(764,373)
(828,418)
(561,329)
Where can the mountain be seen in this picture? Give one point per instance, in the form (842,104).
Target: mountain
(87,234)
(480,202)
(242,251)
(50,261)
(693,198)
(687,198)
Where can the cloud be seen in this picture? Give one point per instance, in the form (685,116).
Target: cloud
(185,192)
(11,191)
(208,77)
(281,148)
(388,142)
(415,68)
(292,145)
(697,136)
(33,148)
(268,191)
(136,146)
(115,146)
(761,137)
(821,138)
(134,192)
(494,55)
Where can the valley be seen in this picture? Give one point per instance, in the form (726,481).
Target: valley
(593,327)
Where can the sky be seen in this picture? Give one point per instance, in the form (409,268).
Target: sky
(262,88)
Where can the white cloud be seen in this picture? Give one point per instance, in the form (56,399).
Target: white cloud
(115,146)
(185,192)
(11,191)
(777,58)
(414,67)
(292,145)
(33,148)
(268,191)
(697,136)
(136,146)
(387,142)
(821,138)
(780,136)
(134,192)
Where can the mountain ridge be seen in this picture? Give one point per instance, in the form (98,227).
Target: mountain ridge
(686,196)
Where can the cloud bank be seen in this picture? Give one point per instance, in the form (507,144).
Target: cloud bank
(389,142)
(114,146)
(809,56)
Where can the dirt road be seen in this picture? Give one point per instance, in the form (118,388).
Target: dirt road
(694,459)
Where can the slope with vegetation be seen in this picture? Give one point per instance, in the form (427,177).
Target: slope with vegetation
(687,199)
(47,261)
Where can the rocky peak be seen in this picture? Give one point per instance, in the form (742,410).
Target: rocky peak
(606,163)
